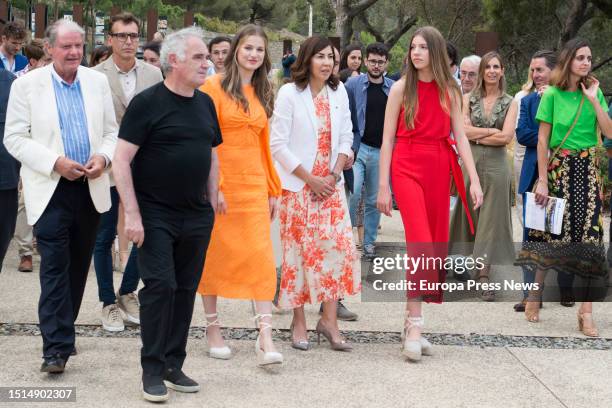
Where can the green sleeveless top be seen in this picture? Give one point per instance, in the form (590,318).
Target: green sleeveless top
(496,117)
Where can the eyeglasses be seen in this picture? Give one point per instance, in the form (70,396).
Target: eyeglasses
(470,75)
(124,36)
(380,63)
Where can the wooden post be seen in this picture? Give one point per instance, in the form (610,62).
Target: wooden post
(77,13)
(485,42)
(336,42)
(40,20)
(152,17)
(189,19)
(4,12)
(115,10)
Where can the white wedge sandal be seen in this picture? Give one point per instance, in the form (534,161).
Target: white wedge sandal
(414,349)
(265,358)
(222,353)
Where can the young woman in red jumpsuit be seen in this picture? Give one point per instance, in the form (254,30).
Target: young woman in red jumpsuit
(424,106)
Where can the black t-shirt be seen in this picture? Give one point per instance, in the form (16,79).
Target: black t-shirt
(375,116)
(175,135)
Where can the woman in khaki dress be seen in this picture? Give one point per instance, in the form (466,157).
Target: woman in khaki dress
(490,117)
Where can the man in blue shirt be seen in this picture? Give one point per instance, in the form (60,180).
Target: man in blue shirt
(287,62)
(13,37)
(368,99)
(60,124)
(9,173)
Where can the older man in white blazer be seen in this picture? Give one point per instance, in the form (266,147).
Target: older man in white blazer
(60,124)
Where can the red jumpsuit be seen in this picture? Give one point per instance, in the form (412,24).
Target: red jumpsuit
(421,166)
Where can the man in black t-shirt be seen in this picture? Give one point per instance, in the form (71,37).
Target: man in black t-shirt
(368,99)
(169,134)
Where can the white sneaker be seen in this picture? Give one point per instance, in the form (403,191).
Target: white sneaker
(111,318)
(130,306)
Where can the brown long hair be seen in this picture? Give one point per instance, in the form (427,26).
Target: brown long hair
(232,84)
(440,63)
(560,76)
(300,70)
(480,89)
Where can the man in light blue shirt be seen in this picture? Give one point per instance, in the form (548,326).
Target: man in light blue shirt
(60,124)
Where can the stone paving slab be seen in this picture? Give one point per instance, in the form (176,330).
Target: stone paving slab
(578,378)
(106,374)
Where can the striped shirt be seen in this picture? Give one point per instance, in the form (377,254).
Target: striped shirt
(72,118)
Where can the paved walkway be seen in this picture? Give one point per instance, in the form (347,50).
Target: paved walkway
(486,355)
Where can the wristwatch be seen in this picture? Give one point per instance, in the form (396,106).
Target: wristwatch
(336,176)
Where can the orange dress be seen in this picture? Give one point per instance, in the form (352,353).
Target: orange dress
(240,260)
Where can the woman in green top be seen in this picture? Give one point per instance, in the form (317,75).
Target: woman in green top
(573,175)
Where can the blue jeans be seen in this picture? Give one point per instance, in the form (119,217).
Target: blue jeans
(564,280)
(365,170)
(103,259)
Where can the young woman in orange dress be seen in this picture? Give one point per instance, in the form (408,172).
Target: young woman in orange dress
(240,260)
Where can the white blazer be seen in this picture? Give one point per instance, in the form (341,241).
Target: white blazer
(32,135)
(293,131)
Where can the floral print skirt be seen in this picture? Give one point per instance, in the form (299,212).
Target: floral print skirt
(579,249)
(319,259)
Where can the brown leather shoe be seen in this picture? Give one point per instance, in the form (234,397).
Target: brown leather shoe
(26,264)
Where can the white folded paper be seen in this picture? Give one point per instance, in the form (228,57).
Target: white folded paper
(548,218)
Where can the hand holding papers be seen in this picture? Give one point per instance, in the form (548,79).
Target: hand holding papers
(548,218)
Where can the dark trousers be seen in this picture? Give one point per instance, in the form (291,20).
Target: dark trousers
(170,260)
(8,218)
(103,258)
(65,235)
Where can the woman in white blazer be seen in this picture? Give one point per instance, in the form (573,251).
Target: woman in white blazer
(310,139)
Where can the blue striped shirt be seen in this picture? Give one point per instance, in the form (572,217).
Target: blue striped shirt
(72,118)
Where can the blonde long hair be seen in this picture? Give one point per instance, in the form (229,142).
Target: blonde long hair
(232,84)
(439,62)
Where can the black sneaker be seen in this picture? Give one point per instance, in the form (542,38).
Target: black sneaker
(54,364)
(178,381)
(154,389)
